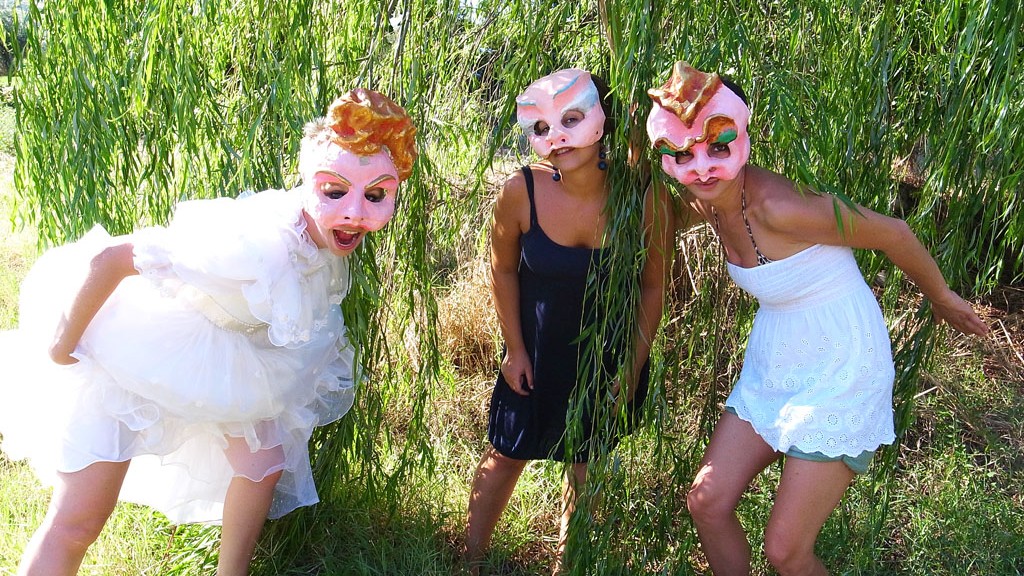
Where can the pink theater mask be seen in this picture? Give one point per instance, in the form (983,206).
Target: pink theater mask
(348,196)
(699,126)
(561,110)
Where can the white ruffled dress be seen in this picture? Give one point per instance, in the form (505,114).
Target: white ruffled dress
(818,371)
(232,333)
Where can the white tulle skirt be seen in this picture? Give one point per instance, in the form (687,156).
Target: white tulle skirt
(190,403)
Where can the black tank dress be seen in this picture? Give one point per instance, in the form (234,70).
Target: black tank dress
(552,306)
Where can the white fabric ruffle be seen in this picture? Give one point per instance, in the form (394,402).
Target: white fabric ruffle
(232,333)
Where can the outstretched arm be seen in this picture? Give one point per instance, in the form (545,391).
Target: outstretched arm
(106,270)
(815,217)
(906,251)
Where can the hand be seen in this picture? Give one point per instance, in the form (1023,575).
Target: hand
(518,372)
(959,314)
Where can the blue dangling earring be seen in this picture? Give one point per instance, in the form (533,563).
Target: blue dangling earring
(602,164)
(556,176)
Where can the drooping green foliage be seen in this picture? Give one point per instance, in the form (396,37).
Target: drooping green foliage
(913,108)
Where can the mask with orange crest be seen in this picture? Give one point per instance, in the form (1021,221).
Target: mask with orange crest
(699,126)
(351,163)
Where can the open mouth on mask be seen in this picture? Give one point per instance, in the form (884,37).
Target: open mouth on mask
(347,240)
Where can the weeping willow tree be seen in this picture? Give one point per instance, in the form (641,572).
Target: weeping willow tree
(913,108)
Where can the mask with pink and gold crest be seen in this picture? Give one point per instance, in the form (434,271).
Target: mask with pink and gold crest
(699,126)
(561,110)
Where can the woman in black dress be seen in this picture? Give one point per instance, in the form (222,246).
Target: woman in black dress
(548,231)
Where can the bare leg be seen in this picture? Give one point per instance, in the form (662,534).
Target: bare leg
(81,503)
(495,479)
(574,480)
(245,511)
(808,493)
(246,505)
(734,456)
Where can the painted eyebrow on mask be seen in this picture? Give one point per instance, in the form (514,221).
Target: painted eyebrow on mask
(585,100)
(336,175)
(526,119)
(380,179)
(666,146)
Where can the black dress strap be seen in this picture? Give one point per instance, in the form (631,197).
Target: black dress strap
(528,174)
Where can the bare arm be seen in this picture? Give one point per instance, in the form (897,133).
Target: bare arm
(106,270)
(815,217)
(659,230)
(506,228)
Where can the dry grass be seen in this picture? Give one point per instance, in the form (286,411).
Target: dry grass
(468,327)
(469,337)
(1004,347)
(1003,368)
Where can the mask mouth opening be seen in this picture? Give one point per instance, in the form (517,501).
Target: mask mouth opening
(347,240)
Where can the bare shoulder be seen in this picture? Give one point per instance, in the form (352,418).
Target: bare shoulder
(800,213)
(513,191)
(780,203)
(773,189)
(515,184)
(512,206)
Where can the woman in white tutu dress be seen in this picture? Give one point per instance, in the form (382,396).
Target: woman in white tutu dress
(203,353)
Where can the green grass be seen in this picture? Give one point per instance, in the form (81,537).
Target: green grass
(23,504)
(957,517)
(952,513)
(133,542)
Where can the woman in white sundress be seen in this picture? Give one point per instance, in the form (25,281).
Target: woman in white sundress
(816,383)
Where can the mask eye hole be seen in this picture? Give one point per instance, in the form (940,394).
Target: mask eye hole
(376,195)
(333,190)
(718,150)
(572,117)
(541,128)
(683,156)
